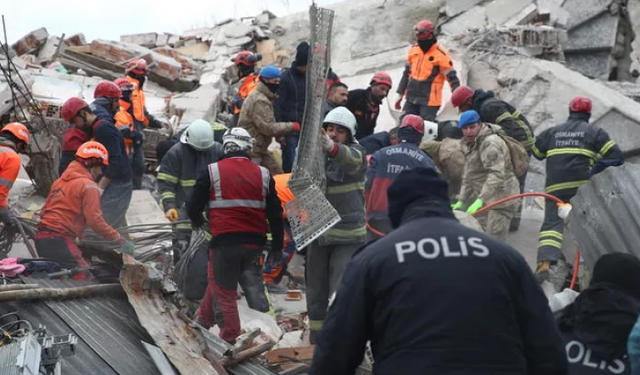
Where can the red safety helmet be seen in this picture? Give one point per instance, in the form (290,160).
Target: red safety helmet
(18,130)
(124,84)
(461,95)
(424,30)
(107,89)
(580,104)
(137,67)
(383,78)
(71,108)
(247,58)
(413,121)
(93,150)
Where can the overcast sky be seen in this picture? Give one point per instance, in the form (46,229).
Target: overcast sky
(108,19)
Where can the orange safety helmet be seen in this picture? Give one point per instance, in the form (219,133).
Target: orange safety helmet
(71,108)
(18,130)
(124,84)
(382,78)
(108,90)
(137,67)
(461,95)
(93,150)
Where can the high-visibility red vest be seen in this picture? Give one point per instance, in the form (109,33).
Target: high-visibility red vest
(238,196)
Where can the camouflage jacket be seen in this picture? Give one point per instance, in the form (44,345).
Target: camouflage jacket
(448,156)
(488,172)
(258,119)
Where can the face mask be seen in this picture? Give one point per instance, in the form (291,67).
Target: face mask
(126,96)
(426,44)
(273,87)
(96,173)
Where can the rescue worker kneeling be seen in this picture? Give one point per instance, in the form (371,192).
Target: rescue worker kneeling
(14,138)
(241,197)
(73,204)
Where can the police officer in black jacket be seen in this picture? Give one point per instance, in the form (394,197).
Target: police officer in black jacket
(435,297)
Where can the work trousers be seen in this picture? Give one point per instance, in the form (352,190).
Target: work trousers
(551,232)
(115,201)
(228,266)
(62,250)
(182,234)
(427,113)
(379,225)
(289,152)
(324,268)
(136,158)
(495,222)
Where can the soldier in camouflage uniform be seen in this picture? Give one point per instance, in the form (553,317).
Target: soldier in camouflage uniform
(446,152)
(488,174)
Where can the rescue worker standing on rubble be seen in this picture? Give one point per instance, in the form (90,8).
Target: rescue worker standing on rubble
(446,151)
(436,297)
(385,165)
(290,101)
(365,103)
(136,73)
(503,114)
(428,65)
(14,138)
(124,118)
(116,180)
(243,208)
(574,151)
(245,62)
(345,172)
(258,119)
(72,205)
(180,168)
(78,132)
(488,175)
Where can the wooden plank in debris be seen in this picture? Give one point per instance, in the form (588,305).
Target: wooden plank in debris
(247,354)
(267,48)
(80,49)
(303,353)
(60,294)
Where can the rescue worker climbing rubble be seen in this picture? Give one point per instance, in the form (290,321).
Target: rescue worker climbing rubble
(14,138)
(365,103)
(136,73)
(345,172)
(124,117)
(258,119)
(385,165)
(245,62)
(180,168)
(243,207)
(72,205)
(574,152)
(436,297)
(428,66)
(488,174)
(497,111)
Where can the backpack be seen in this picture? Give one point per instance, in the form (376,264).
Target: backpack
(519,155)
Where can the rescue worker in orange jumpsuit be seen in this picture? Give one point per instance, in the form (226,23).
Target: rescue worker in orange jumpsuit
(78,132)
(124,117)
(14,138)
(136,73)
(72,205)
(245,62)
(428,65)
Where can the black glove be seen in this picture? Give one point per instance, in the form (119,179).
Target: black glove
(7,217)
(274,257)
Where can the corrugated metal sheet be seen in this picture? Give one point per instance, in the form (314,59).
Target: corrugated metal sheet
(109,335)
(605,217)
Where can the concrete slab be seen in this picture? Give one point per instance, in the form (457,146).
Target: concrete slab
(31,42)
(143,39)
(238,42)
(237,29)
(455,7)
(201,103)
(500,11)
(474,18)
(48,49)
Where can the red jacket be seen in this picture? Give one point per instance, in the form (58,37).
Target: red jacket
(73,203)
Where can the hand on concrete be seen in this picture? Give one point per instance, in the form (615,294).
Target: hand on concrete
(399,102)
(457,206)
(172,215)
(563,210)
(475,206)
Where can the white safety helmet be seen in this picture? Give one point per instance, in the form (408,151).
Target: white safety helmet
(237,139)
(430,130)
(198,135)
(343,117)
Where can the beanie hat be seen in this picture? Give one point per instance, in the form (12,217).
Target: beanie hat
(270,71)
(302,54)
(409,135)
(621,270)
(412,185)
(468,118)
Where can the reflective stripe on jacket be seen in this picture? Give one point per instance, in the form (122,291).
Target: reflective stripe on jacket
(10,163)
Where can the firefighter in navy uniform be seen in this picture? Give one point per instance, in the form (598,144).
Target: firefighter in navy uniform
(571,150)
(436,297)
(243,207)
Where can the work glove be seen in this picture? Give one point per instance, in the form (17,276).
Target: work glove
(274,257)
(172,215)
(297,127)
(475,206)
(457,206)
(7,217)
(326,143)
(399,102)
(127,247)
(563,210)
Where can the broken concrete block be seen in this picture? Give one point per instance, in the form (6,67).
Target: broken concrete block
(475,18)
(304,353)
(173,39)
(161,40)
(559,16)
(198,50)
(31,42)
(455,7)
(143,39)
(238,42)
(500,11)
(237,29)
(76,40)
(523,17)
(116,51)
(201,103)
(48,50)
(267,48)
(162,65)
(188,65)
